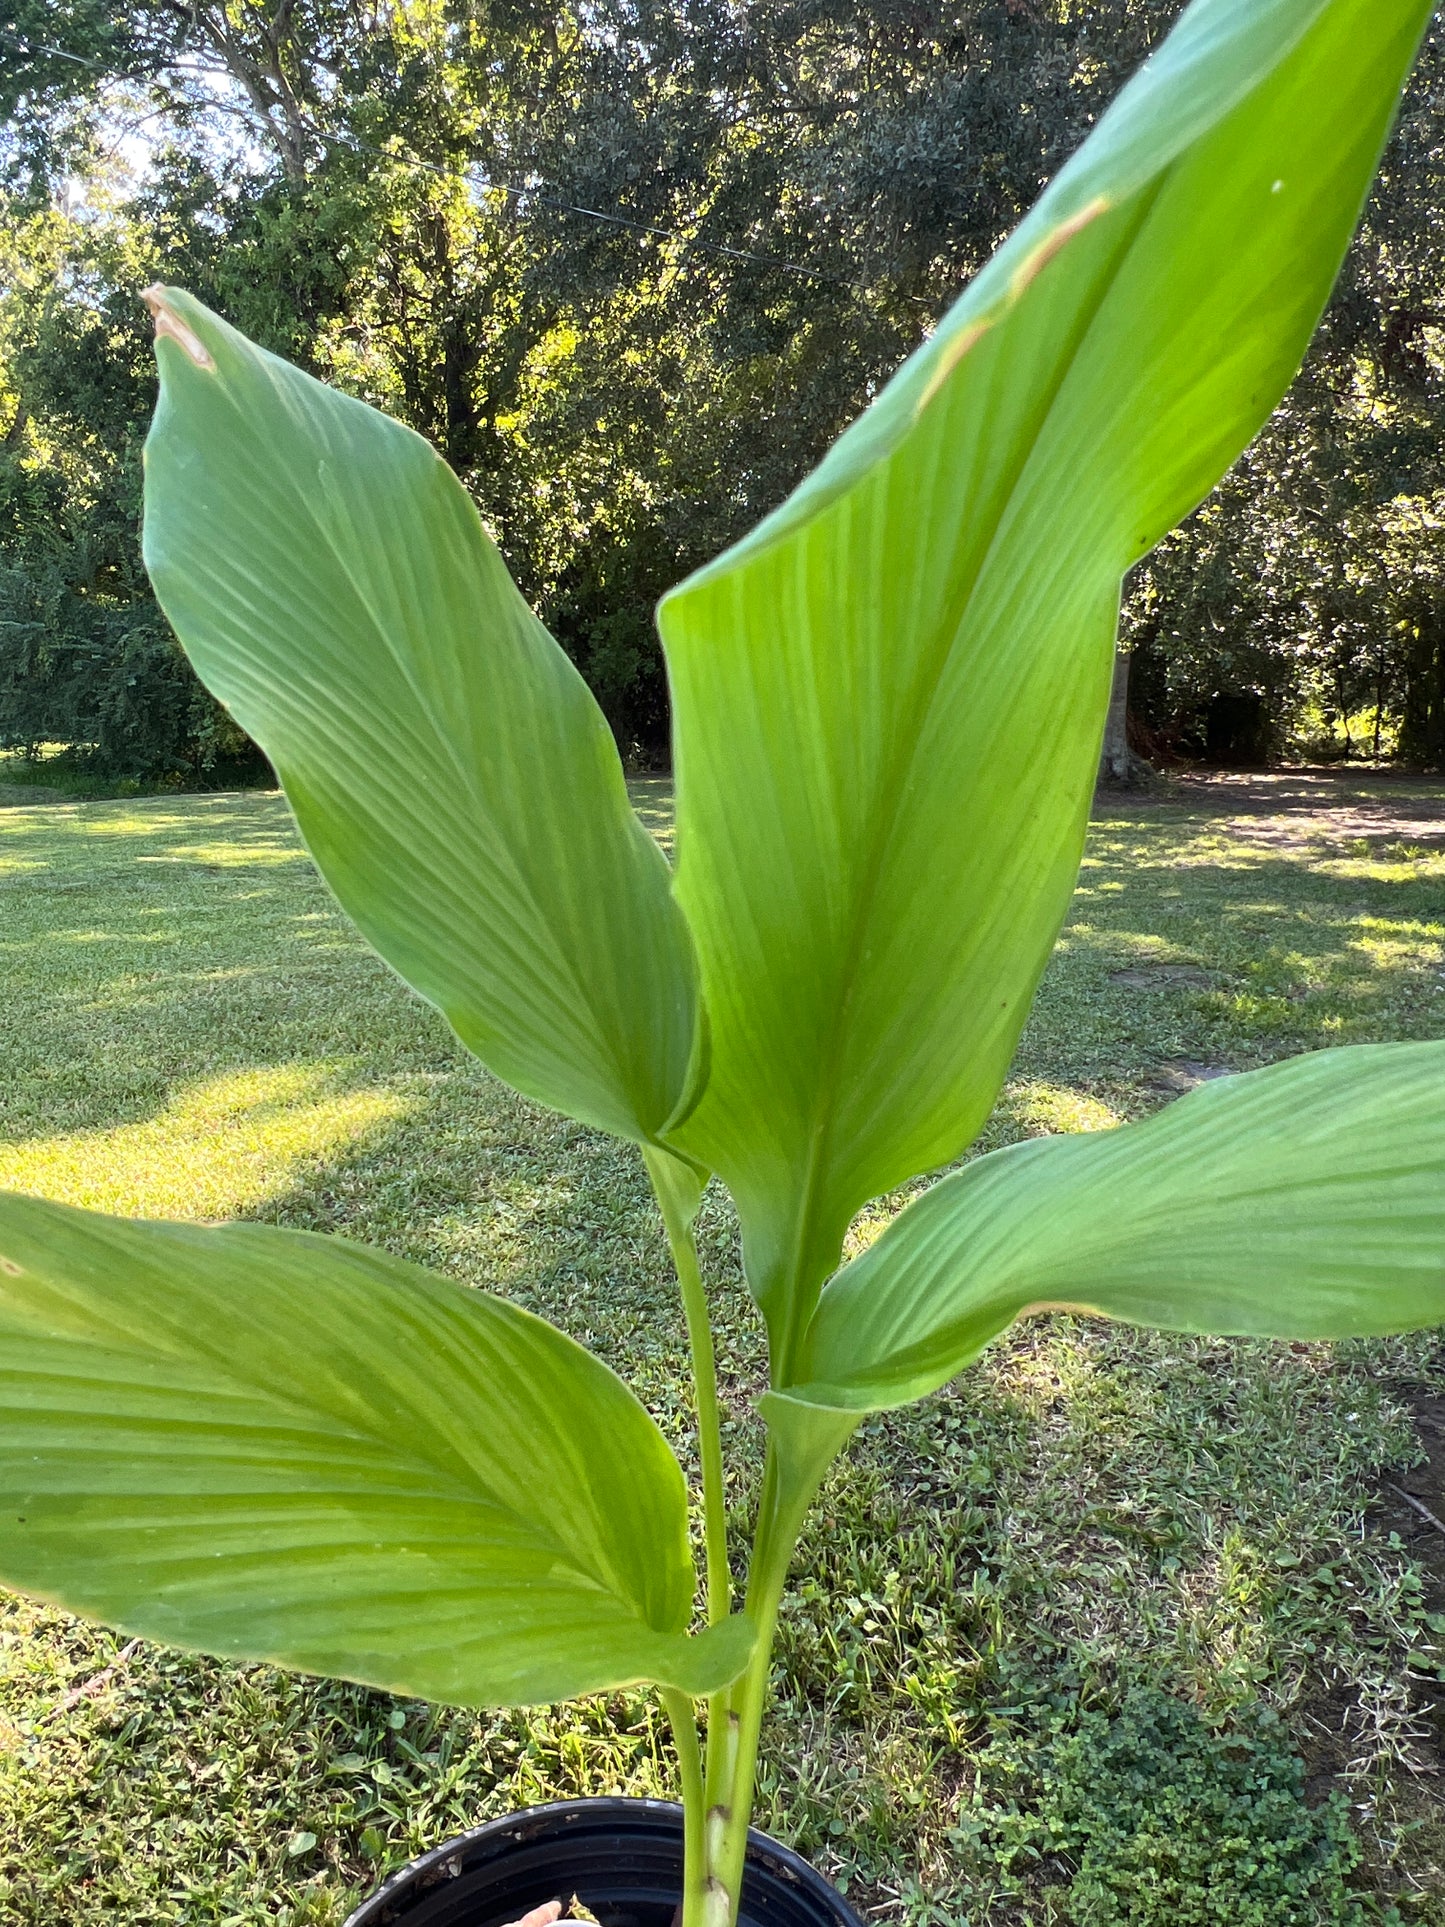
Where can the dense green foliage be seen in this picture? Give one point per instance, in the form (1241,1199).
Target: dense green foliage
(794,195)
(86,658)
(1155,1819)
(1306,596)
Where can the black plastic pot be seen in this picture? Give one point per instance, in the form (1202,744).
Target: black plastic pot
(621,1858)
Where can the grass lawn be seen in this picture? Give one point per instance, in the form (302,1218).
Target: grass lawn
(1102,1562)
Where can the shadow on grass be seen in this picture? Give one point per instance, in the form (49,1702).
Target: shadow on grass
(1088,1507)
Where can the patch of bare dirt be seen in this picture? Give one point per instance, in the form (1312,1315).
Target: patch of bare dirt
(1412,1505)
(1183,1074)
(1326,1720)
(1163,977)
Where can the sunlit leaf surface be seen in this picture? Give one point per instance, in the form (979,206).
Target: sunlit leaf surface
(267,1444)
(450,771)
(889,697)
(1306,1200)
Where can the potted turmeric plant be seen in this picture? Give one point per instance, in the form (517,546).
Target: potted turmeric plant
(888,702)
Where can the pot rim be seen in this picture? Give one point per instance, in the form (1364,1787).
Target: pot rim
(421,1871)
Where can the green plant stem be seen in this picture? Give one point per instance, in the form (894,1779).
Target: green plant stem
(704,1381)
(701,1906)
(695,1911)
(733,1740)
(716,1832)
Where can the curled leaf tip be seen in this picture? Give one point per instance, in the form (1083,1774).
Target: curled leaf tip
(168,322)
(1034,263)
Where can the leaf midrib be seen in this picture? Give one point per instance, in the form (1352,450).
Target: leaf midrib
(892,790)
(302,1419)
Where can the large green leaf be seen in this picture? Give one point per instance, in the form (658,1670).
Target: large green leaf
(889,698)
(455,781)
(1302,1201)
(277,1446)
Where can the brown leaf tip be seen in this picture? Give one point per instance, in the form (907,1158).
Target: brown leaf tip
(168,322)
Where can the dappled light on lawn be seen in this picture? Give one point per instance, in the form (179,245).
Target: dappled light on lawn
(220,1149)
(652,799)
(229,831)
(1182,1509)
(1031,1107)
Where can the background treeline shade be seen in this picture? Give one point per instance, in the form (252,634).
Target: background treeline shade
(797,190)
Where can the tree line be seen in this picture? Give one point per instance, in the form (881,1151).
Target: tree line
(631,267)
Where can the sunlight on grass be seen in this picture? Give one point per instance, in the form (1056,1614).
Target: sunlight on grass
(1035,1109)
(652,800)
(222,1147)
(1050,1377)
(1089,1506)
(230,855)
(1407,864)
(1396,950)
(220,832)
(87,820)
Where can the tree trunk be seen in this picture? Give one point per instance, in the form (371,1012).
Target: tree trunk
(1422,737)
(278,113)
(1118,766)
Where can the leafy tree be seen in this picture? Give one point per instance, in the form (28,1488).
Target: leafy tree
(1307,591)
(85,656)
(633,268)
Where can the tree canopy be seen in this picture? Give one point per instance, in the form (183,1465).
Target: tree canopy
(631,267)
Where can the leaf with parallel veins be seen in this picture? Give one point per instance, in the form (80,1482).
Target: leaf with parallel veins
(450,771)
(889,697)
(1306,1200)
(271,1445)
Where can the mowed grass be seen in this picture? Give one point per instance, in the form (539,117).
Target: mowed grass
(191,1028)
